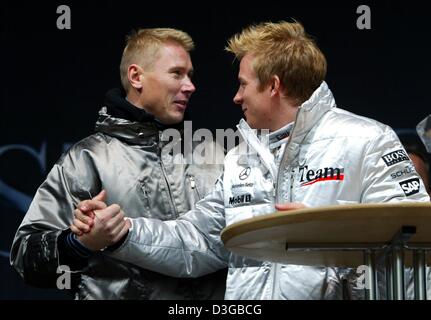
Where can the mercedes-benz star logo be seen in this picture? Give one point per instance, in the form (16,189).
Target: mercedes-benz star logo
(244,173)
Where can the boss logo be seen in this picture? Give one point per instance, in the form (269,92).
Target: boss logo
(410,186)
(395,157)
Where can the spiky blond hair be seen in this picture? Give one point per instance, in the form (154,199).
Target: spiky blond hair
(142,47)
(285,50)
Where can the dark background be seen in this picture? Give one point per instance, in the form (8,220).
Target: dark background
(53,81)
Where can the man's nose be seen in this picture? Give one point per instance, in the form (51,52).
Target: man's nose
(238,98)
(189,86)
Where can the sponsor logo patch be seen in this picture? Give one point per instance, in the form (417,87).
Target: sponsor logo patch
(309,177)
(395,157)
(283,135)
(410,186)
(243,185)
(244,198)
(404,172)
(244,174)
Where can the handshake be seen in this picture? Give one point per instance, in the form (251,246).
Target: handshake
(97,225)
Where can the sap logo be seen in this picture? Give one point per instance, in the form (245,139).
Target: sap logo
(410,186)
(406,171)
(309,177)
(395,157)
(244,198)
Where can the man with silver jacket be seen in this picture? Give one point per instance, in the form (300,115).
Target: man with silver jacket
(130,158)
(316,155)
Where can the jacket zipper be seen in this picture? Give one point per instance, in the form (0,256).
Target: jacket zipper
(279,178)
(194,186)
(159,152)
(276,266)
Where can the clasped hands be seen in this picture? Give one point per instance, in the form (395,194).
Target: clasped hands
(97,225)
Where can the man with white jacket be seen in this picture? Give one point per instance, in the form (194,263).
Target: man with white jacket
(316,155)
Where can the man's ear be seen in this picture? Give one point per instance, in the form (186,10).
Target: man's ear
(134,74)
(275,85)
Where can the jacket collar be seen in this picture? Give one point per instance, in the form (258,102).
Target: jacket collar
(119,107)
(121,119)
(311,111)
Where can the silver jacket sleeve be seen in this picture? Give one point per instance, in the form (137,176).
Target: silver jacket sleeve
(379,178)
(35,250)
(187,247)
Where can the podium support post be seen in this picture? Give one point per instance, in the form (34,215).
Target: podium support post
(370,262)
(419,274)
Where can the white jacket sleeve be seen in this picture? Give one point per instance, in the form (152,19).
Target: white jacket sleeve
(187,247)
(388,175)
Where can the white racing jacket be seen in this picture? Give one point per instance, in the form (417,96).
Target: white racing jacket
(332,157)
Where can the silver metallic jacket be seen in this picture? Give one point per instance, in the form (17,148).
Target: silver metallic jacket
(332,157)
(128,159)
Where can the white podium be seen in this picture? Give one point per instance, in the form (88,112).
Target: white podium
(343,236)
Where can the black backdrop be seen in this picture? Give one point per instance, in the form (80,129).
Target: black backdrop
(53,81)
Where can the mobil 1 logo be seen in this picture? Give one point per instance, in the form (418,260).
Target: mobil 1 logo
(410,186)
(395,157)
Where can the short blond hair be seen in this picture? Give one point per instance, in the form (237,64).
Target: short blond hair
(285,50)
(142,47)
